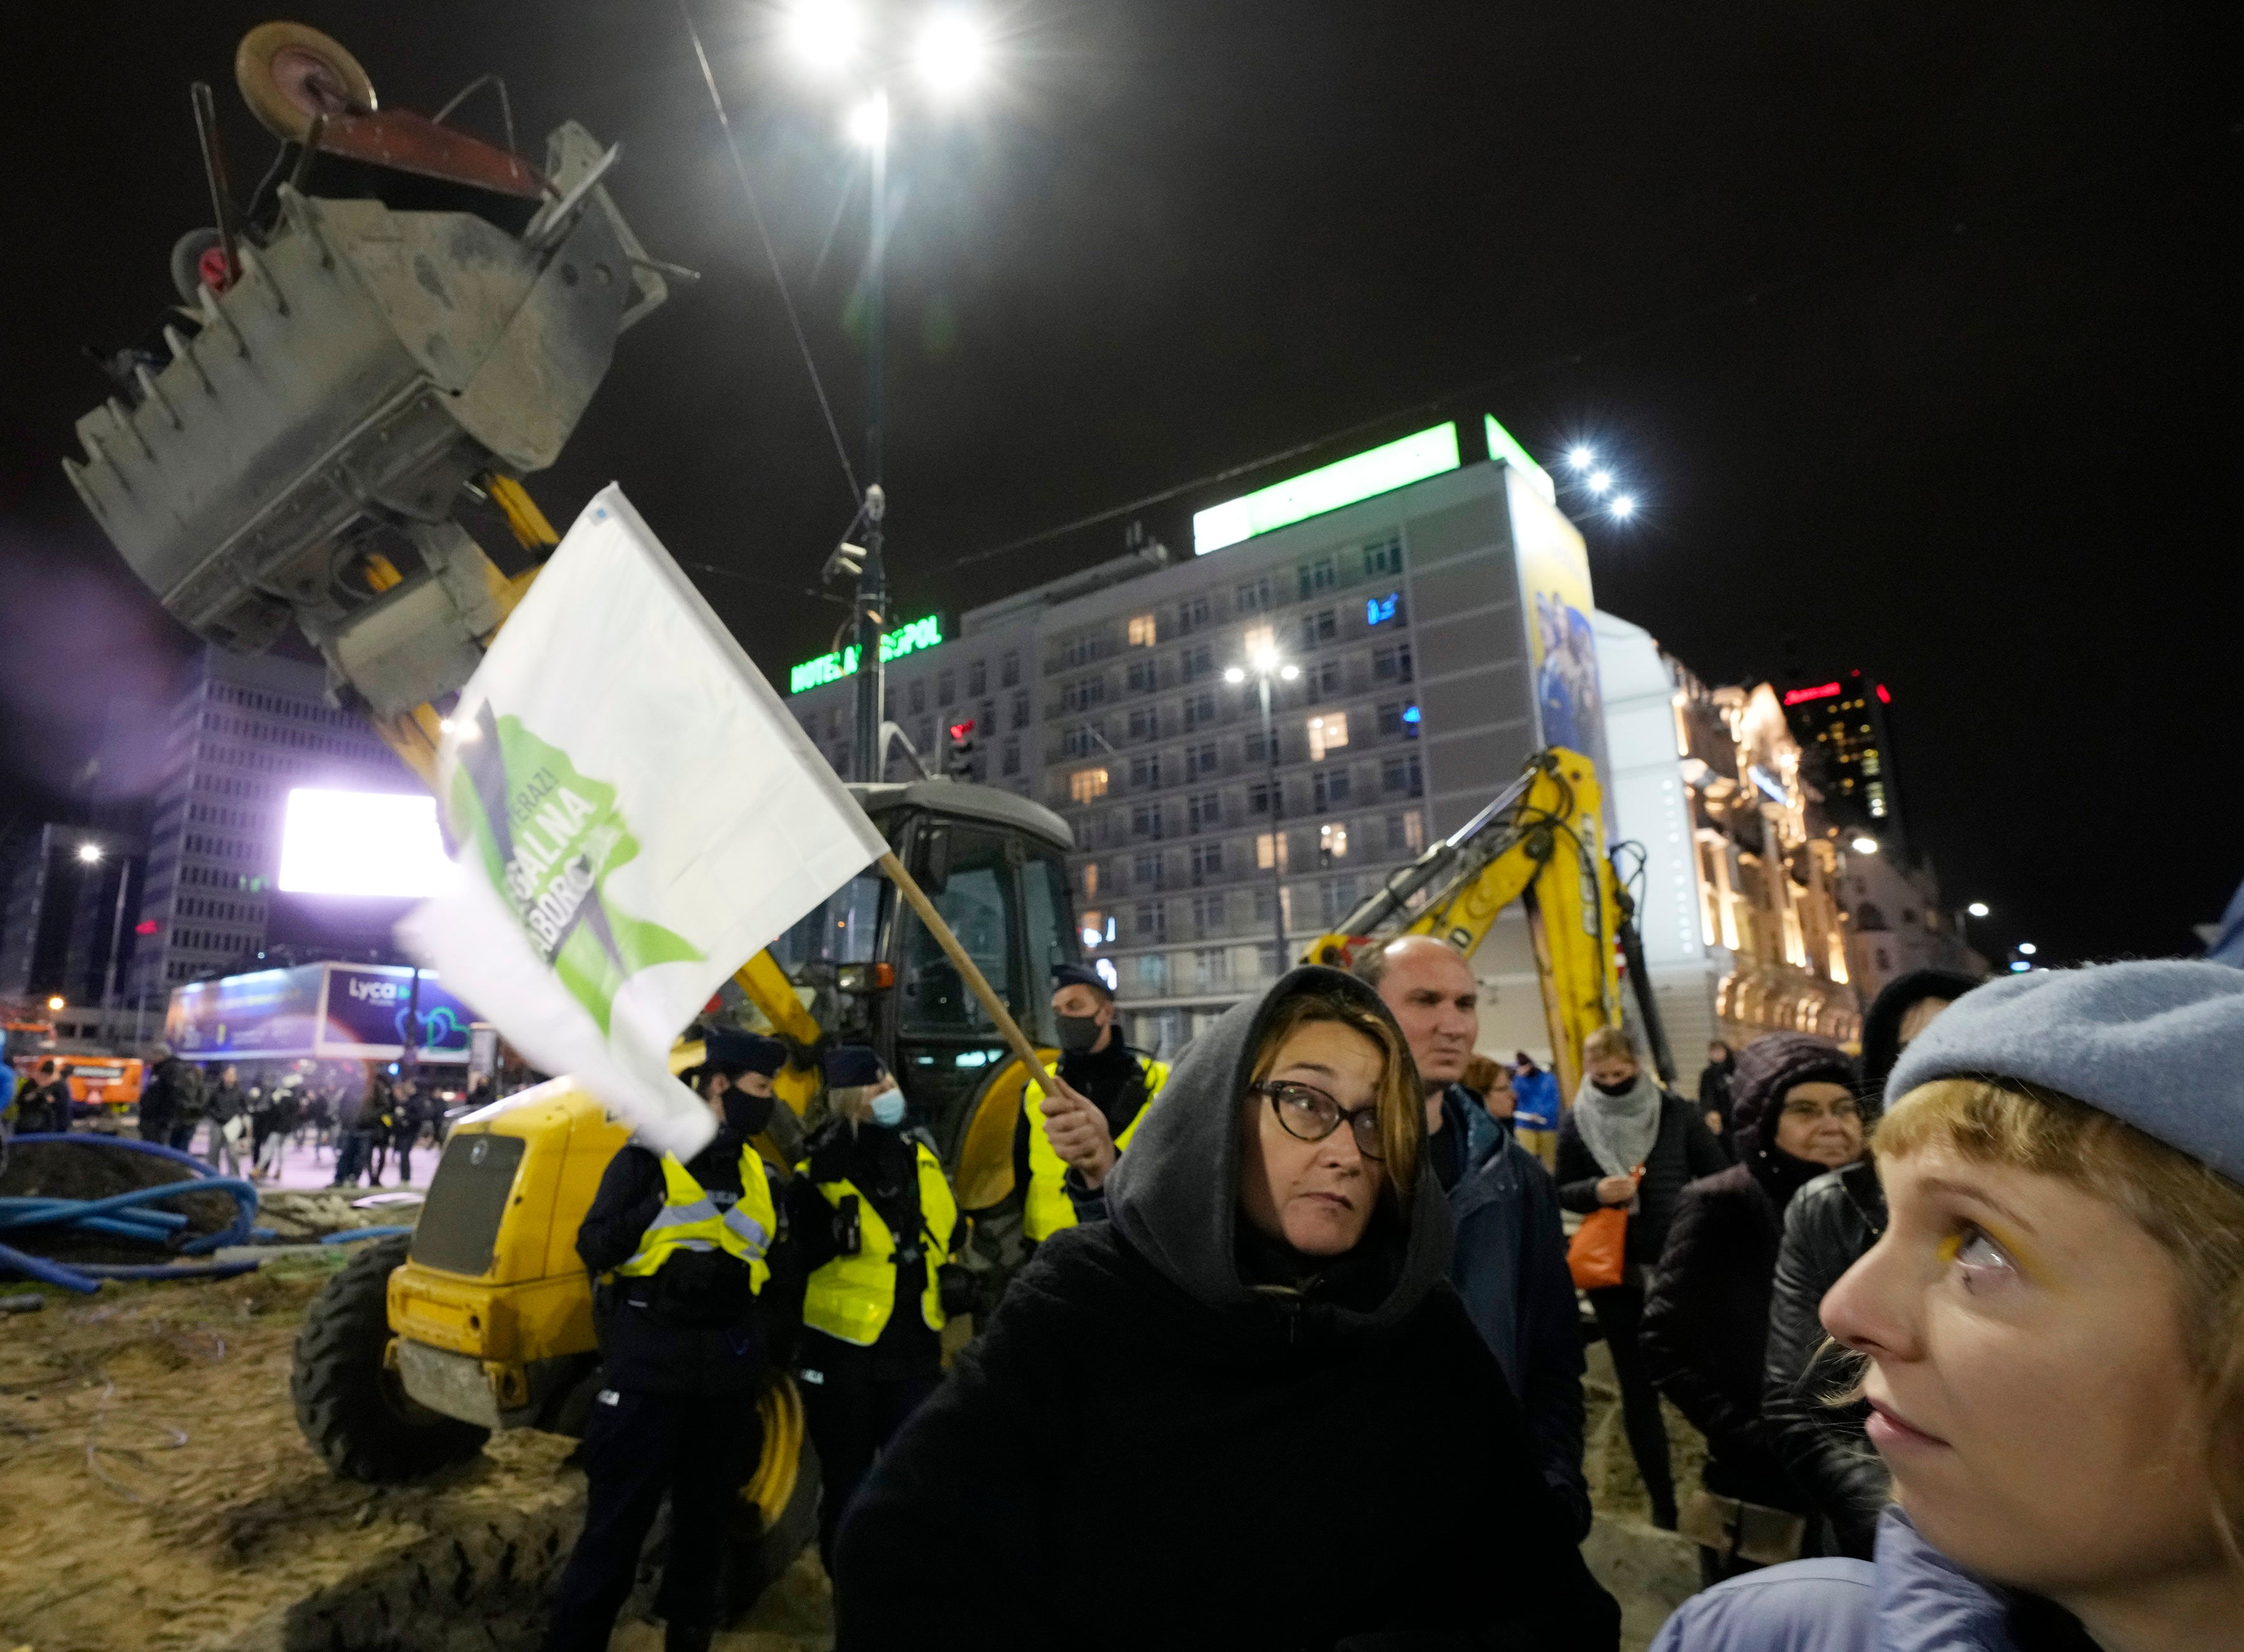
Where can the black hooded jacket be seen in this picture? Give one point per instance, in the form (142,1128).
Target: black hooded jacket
(1833,1220)
(1147,1449)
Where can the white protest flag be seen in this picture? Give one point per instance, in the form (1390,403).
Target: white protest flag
(634,815)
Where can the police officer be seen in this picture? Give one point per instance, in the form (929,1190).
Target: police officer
(874,1227)
(685,1353)
(1063,1149)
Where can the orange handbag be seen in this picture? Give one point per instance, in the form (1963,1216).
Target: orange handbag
(1594,1254)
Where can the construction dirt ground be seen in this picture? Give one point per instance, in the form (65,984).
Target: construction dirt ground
(159,1498)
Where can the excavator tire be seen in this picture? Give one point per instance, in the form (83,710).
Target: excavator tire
(354,1412)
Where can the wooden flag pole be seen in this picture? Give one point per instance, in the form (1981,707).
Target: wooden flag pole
(968,970)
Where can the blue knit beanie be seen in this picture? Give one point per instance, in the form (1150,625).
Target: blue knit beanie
(2157,1045)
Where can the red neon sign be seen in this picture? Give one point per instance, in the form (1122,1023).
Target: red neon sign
(1885,699)
(1795,696)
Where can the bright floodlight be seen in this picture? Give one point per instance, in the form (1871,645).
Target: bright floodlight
(1600,480)
(952,54)
(868,122)
(335,843)
(2027,949)
(1290,672)
(1234,674)
(1977,909)
(1264,657)
(89,853)
(825,33)
(1625,506)
(56,1002)
(1581,458)
(1866,845)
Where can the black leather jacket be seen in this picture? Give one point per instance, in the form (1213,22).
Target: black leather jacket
(1829,1224)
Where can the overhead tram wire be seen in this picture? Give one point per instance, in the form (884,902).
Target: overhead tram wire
(771,257)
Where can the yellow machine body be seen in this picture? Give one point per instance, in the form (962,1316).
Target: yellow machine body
(1543,843)
(531,1304)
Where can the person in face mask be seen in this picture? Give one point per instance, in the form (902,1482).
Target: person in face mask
(874,1228)
(1627,1143)
(1063,1148)
(681,1251)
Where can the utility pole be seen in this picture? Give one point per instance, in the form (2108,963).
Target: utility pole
(1277,821)
(872,597)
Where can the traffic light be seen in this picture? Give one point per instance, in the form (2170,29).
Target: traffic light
(958,759)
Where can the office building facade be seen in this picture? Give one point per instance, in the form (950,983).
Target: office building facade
(1844,732)
(1431,646)
(244,731)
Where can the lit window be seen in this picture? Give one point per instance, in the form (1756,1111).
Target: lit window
(1087,784)
(1142,631)
(1091,880)
(1265,847)
(1258,642)
(1326,733)
(1332,841)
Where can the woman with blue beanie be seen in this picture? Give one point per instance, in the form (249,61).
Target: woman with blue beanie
(2051,1335)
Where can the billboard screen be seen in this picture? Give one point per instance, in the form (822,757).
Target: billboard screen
(330,1011)
(1562,644)
(381,843)
(271,1015)
(366,1012)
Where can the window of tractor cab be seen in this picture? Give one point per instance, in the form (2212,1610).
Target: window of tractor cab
(981,901)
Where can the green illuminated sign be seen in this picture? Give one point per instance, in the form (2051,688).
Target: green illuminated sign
(1502,444)
(916,638)
(1380,470)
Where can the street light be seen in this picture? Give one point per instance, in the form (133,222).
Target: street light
(1977,909)
(826,34)
(90,854)
(1263,664)
(1625,506)
(56,1002)
(952,54)
(1581,458)
(2026,949)
(1600,480)
(1864,845)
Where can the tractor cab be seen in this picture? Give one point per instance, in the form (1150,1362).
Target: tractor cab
(994,864)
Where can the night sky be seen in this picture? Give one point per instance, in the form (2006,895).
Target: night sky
(1915,329)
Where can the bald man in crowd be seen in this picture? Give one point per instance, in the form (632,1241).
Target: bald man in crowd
(1510,1260)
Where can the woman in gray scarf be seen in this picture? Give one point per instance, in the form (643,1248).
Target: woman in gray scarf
(1626,1142)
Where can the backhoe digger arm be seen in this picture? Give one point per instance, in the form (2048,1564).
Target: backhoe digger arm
(1541,842)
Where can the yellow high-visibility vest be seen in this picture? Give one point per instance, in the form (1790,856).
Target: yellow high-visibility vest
(691,1219)
(851,1297)
(1048,1209)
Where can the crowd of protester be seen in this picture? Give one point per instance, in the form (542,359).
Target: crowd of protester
(1298,1359)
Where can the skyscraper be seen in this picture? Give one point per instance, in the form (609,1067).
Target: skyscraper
(1842,727)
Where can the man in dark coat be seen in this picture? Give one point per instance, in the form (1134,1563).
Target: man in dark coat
(43,1107)
(1178,1430)
(1508,1261)
(1830,1227)
(1706,1319)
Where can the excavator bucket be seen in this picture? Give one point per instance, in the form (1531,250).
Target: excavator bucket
(296,449)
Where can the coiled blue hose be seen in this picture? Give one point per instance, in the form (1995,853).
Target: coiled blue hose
(126,1215)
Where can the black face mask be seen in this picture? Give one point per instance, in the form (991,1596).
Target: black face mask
(1078,1034)
(747,1114)
(1614,1089)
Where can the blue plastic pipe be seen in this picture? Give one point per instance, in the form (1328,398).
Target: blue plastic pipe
(128,1216)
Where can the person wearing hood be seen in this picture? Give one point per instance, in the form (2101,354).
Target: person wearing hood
(1706,1319)
(1509,1260)
(1247,1410)
(2048,1335)
(875,1227)
(1715,1079)
(1829,1224)
(1065,1147)
(1627,1144)
(681,1252)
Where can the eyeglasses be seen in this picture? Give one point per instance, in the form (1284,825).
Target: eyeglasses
(1311,1115)
(1811,1112)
